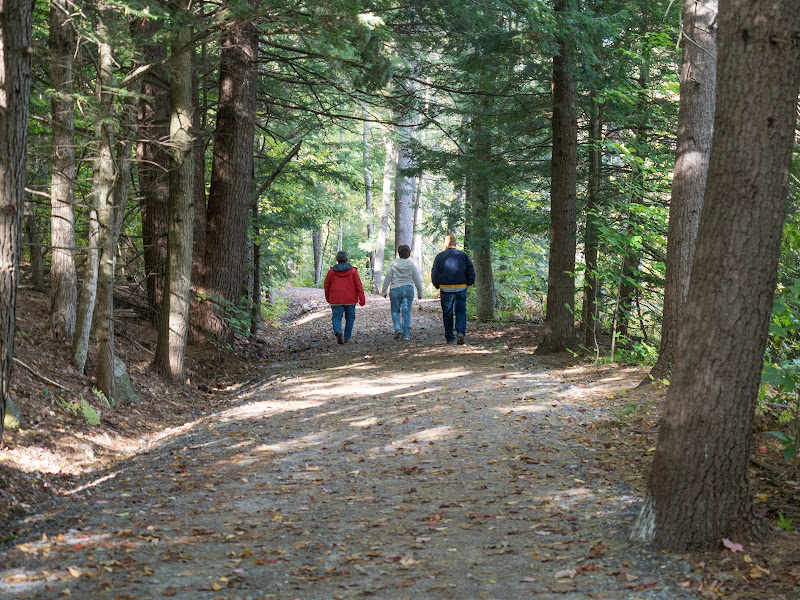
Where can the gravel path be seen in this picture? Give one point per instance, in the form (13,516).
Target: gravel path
(377,469)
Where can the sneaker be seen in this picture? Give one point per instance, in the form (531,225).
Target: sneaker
(398,334)
(346,340)
(460,339)
(406,339)
(339,339)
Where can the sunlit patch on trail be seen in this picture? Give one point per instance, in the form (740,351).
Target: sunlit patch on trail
(364,422)
(422,438)
(91,484)
(427,390)
(313,439)
(267,408)
(312,316)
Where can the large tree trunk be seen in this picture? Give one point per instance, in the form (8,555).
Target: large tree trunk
(699,489)
(153,168)
(559,325)
(386,200)
(15,78)
(416,246)
(404,190)
(695,129)
(590,280)
(231,180)
(63,277)
(173,328)
(198,154)
(106,211)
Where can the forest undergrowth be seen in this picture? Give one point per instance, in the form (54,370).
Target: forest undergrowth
(298,468)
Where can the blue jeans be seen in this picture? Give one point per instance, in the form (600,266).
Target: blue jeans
(348,311)
(402,298)
(454,305)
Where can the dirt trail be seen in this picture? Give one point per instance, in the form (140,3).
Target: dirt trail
(377,469)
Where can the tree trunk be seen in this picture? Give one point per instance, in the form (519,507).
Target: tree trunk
(63,276)
(255,306)
(316,244)
(106,176)
(34,243)
(368,192)
(699,489)
(230,195)
(695,129)
(199,243)
(404,190)
(559,325)
(153,167)
(480,240)
(386,200)
(173,328)
(590,280)
(416,247)
(15,77)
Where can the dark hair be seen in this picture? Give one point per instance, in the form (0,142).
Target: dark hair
(341,256)
(403,251)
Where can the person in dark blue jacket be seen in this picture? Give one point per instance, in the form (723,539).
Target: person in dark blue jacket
(452,274)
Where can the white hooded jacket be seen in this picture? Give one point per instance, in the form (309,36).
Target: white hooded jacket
(402,272)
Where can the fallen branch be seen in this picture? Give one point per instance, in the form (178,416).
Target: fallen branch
(50,381)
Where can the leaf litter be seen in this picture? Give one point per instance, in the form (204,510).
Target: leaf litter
(384,469)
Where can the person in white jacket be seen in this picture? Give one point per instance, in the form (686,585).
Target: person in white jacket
(402,276)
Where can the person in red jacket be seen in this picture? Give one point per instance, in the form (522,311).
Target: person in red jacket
(342,290)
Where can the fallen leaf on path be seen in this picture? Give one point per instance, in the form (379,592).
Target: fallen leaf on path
(565,574)
(732,546)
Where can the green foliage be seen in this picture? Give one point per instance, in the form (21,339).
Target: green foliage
(82,407)
(784,523)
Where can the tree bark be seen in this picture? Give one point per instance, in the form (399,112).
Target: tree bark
(169,359)
(316,244)
(106,176)
(386,199)
(699,489)
(367,155)
(153,167)
(404,189)
(480,240)
(15,77)
(63,276)
(416,246)
(559,325)
(231,180)
(590,280)
(34,242)
(695,129)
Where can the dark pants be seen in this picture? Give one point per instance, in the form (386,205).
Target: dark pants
(454,306)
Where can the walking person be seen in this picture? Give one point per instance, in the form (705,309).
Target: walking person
(342,290)
(452,274)
(403,276)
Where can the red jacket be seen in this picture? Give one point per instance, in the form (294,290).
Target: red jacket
(343,285)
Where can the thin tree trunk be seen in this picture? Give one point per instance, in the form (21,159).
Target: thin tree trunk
(15,77)
(386,202)
(699,489)
(255,307)
(63,276)
(34,243)
(169,359)
(316,244)
(559,326)
(695,130)
(416,248)
(368,193)
(590,281)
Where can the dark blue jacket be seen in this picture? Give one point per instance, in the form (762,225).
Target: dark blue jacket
(452,269)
